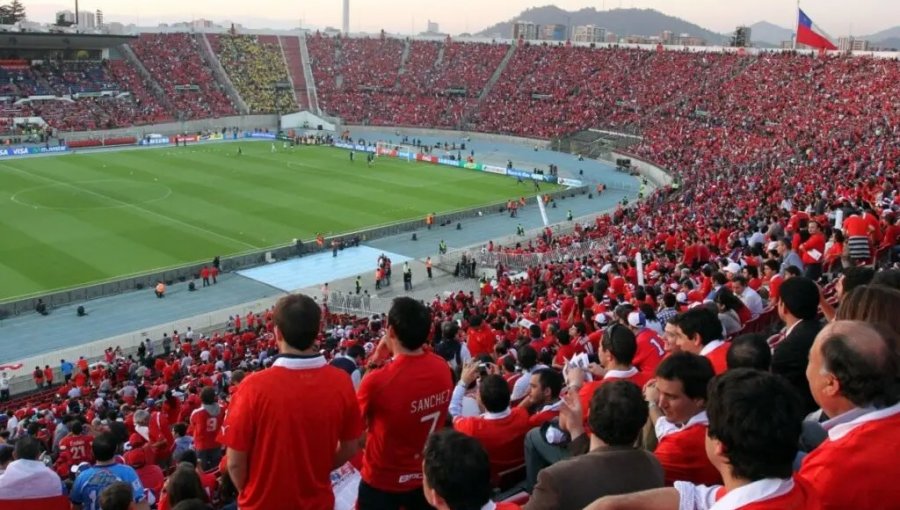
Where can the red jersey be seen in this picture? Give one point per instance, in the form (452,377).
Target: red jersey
(650,351)
(204,427)
(766,494)
(502,436)
(402,404)
(716,355)
(289,420)
(682,454)
(545,414)
(480,341)
(78,448)
(856,467)
(586,393)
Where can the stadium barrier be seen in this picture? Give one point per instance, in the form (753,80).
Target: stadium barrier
(25,151)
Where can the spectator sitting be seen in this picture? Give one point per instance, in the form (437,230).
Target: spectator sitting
(27,477)
(699,331)
(183,442)
(677,401)
(103,473)
(798,308)
(543,400)
(749,351)
(6,456)
(754,423)
(182,484)
(500,430)
(457,473)
(613,465)
(852,373)
(151,475)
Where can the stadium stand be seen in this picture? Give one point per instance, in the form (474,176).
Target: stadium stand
(173,60)
(255,64)
(759,146)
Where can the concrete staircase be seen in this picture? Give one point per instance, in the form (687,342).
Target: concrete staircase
(210,57)
(440,57)
(154,86)
(404,57)
(290,53)
(497,72)
(312,95)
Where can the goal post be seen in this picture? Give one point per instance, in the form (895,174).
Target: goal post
(393,150)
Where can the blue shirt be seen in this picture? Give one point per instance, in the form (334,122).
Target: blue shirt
(91,482)
(66,368)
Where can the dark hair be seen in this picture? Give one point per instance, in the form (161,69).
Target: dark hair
(187,457)
(865,380)
(180,428)
(449,329)
(551,379)
(116,496)
(494,392)
(800,297)
(6,454)
(749,351)
(772,264)
(356,351)
(76,427)
(618,413)
(692,370)
(28,448)
(793,271)
(297,317)
(700,320)
(757,417)
(208,395)
(191,504)
(729,300)
(669,300)
(411,321)
(183,484)
(856,276)
(888,278)
(104,447)
(719,278)
(527,357)
(621,343)
(458,469)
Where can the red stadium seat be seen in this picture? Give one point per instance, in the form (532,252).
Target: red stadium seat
(54,503)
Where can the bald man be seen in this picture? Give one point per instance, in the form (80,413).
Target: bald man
(852,376)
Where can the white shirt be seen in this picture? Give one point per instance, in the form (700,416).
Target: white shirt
(520,390)
(753,301)
(27,479)
(702,497)
(4,383)
(664,427)
(464,356)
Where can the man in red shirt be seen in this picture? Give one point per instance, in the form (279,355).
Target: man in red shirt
(650,347)
(677,400)
(754,426)
(851,372)
(699,331)
(499,429)
(480,338)
(77,445)
(457,474)
(205,422)
(543,400)
(402,404)
(290,425)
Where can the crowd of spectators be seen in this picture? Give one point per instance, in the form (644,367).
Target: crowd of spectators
(255,65)
(174,62)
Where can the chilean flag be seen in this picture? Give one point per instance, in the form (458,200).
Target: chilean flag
(811,35)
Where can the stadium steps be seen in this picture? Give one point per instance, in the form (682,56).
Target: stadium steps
(404,58)
(155,87)
(290,50)
(497,73)
(289,69)
(207,54)
(440,58)
(311,91)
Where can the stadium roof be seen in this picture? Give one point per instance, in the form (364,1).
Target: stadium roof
(50,41)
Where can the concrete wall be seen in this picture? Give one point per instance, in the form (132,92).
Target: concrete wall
(656,175)
(242,122)
(357,132)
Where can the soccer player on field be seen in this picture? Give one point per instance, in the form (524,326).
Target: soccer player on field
(290,425)
(402,404)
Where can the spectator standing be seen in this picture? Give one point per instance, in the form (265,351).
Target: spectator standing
(457,474)
(66,368)
(4,387)
(290,425)
(205,422)
(91,482)
(48,375)
(613,465)
(27,477)
(797,307)
(166,344)
(402,403)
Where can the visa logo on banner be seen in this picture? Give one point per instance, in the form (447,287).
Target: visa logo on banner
(25,151)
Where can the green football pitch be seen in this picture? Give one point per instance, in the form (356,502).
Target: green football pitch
(83,218)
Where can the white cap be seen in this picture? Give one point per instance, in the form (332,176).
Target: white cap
(681,297)
(733,268)
(601,318)
(636,319)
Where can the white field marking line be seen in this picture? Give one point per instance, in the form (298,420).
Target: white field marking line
(133,206)
(15,199)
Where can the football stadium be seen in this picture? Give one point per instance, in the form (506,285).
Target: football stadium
(543,266)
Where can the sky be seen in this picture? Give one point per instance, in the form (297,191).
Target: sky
(836,17)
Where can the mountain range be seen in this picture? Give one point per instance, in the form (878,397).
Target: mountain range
(650,22)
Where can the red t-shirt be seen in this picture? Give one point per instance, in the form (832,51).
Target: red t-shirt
(683,457)
(402,404)
(802,496)
(502,438)
(650,351)
(289,420)
(858,470)
(717,357)
(78,448)
(204,427)
(586,393)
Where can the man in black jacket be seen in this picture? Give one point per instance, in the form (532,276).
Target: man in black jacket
(798,307)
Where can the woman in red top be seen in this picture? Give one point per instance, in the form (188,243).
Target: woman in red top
(812,251)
